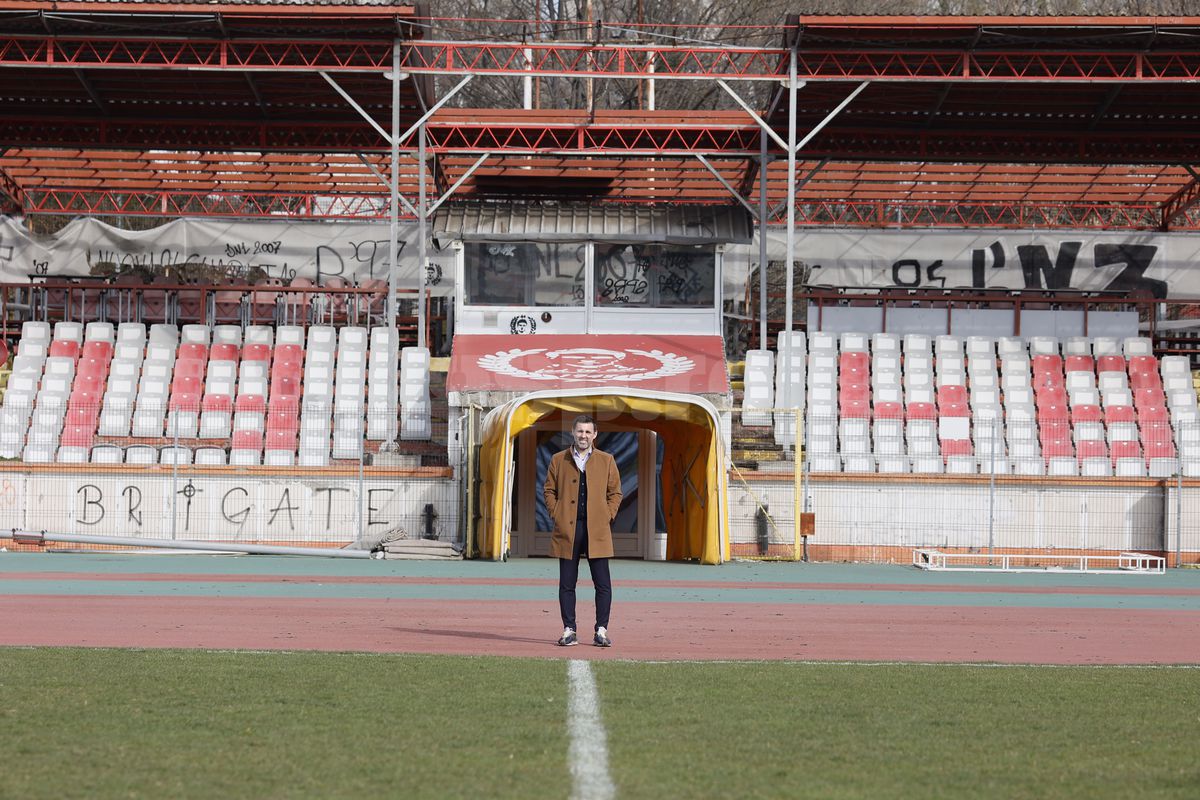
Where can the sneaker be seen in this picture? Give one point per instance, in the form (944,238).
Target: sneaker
(568,638)
(601,638)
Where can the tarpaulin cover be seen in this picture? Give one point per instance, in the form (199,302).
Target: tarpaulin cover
(693,471)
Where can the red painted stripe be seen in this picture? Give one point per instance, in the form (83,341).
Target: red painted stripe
(159,577)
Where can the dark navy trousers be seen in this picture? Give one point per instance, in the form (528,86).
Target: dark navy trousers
(568,576)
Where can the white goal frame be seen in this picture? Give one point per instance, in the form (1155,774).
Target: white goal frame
(1122,563)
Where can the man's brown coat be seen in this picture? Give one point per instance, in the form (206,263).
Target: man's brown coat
(604,499)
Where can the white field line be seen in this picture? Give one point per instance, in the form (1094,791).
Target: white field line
(588,752)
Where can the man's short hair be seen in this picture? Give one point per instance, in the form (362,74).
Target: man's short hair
(583,419)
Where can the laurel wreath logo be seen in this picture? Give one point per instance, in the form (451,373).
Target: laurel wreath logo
(670,364)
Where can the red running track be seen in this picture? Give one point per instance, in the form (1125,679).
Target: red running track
(641,631)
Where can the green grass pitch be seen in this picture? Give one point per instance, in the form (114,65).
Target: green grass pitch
(81,723)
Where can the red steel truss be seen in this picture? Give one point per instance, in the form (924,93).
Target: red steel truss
(813,63)
(917,214)
(850,214)
(1184,203)
(959,91)
(207,204)
(599,60)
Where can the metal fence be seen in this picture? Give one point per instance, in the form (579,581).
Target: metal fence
(878,491)
(327,479)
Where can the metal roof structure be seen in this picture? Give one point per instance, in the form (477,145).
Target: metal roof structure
(692,225)
(269,109)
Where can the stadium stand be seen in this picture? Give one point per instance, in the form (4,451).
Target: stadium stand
(889,404)
(208,395)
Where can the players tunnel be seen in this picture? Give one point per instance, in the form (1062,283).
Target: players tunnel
(690,464)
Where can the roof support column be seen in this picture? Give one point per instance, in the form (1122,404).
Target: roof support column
(762,241)
(394,244)
(791,191)
(422,211)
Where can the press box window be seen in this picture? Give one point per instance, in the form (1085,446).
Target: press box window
(655,276)
(523,274)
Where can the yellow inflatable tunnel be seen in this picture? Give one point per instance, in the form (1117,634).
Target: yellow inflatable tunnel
(693,473)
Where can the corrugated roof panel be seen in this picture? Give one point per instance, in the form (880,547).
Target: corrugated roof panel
(575,223)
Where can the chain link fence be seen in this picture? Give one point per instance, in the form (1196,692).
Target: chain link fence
(878,489)
(311,479)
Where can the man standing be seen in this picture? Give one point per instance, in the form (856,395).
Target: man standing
(583,512)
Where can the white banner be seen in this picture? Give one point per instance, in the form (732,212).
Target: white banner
(1160,264)
(314,250)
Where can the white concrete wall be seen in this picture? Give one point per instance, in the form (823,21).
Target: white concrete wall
(1101,515)
(237,508)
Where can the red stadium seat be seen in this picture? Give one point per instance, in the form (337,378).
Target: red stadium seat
(256,352)
(1156,433)
(951,395)
(1091,448)
(1057,448)
(1052,412)
(187,385)
(247,440)
(281,440)
(1080,364)
(889,411)
(1145,398)
(192,351)
(854,409)
(81,398)
(856,361)
(1144,380)
(1050,396)
(190,368)
(217,402)
(1119,414)
(289,352)
(1139,365)
(1153,414)
(223,352)
(1110,364)
(285,385)
(1125,450)
(1054,429)
(88,383)
(854,391)
(102,351)
(853,375)
(1160,450)
(954,410)
(64,348)
(921,411)
(90,367)
(284,404)
(282,419)
(184,401)
(77,436)
(1046,364)
(82,415)
(251,402)
(956,447)
(1087,413)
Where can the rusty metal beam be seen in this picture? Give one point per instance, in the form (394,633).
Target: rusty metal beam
(1182,201)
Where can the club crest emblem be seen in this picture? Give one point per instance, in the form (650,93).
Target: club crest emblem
(586,364)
